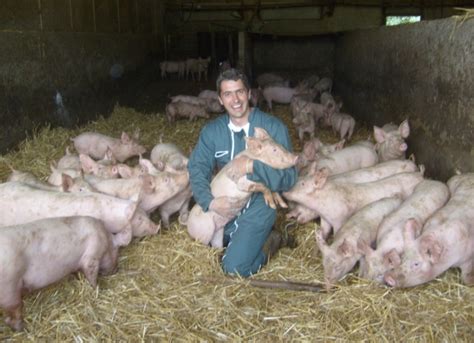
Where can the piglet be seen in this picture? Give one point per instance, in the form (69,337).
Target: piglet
(341,256)
(39,253)
(391,141)
(180,109)
(208,227)
(446,241)
(428,196)
(96,144)
(168,154)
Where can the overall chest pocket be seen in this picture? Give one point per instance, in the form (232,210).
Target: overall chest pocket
(222,158)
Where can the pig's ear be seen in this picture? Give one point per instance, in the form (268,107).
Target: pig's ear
(309,150)
(320,242)
(261,133)
(136,134)
(146,165)
(148,184)
(125,138)
(160,165)
(392,259)
(124,171)
(253,144)
(66,182)
(404,129)
(364,248)
(411,230)
(431,248)
(320,178)
(87,164)
(340,144)
(379,134)
(345,249)
(122,238)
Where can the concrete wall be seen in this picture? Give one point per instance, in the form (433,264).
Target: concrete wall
(69,46)
(423,72)
(294,57)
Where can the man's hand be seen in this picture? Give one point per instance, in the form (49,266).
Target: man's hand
(227,207)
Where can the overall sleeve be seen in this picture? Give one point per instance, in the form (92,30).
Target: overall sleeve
(277,180)
(200,167)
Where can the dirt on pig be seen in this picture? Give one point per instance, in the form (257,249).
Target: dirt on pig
(162,289)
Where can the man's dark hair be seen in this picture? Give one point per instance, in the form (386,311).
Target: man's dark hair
(234,75)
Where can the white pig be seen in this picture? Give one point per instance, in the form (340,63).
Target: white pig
(40,253)
(341,256)
(446,241)
(428,196)
(95,145)
(335,202)
(391,141)
(21,203)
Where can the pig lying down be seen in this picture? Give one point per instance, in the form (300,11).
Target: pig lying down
(40,253)
(446,240)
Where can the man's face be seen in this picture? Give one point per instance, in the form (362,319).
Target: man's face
(235,98)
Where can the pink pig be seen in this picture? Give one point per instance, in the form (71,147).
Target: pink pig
(96,145)
(446,241)
(391,141)
(341,256)
(40,253)
(335,202)
(428,196)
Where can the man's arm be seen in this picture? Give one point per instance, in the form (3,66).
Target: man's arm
(200,167)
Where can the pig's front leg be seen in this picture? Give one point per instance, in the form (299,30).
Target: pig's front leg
(13,316)
(246,185)
(467,272)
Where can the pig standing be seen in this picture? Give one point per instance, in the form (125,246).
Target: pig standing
(68,184)
(22,203)
(391,141)
(304,122)
(428,196)
(279,94)
(343,254)
(95,145)
(40,253)
(208,227)
(342,123)
(335,202)
(446,241)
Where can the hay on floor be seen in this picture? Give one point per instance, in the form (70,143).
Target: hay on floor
(160,291)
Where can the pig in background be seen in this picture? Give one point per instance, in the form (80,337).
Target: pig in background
(446,240)
(96,145)
(37,254)
(391,140)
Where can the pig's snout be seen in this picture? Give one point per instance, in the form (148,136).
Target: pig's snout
(390,280)
(403,147)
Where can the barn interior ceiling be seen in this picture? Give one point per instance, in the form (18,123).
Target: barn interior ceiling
(274,4)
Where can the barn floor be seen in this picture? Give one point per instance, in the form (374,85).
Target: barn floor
(171,288)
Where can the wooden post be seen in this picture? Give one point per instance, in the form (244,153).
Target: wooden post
(41,42)
(71,19)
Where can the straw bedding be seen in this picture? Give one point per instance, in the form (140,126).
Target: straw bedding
(170,288)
